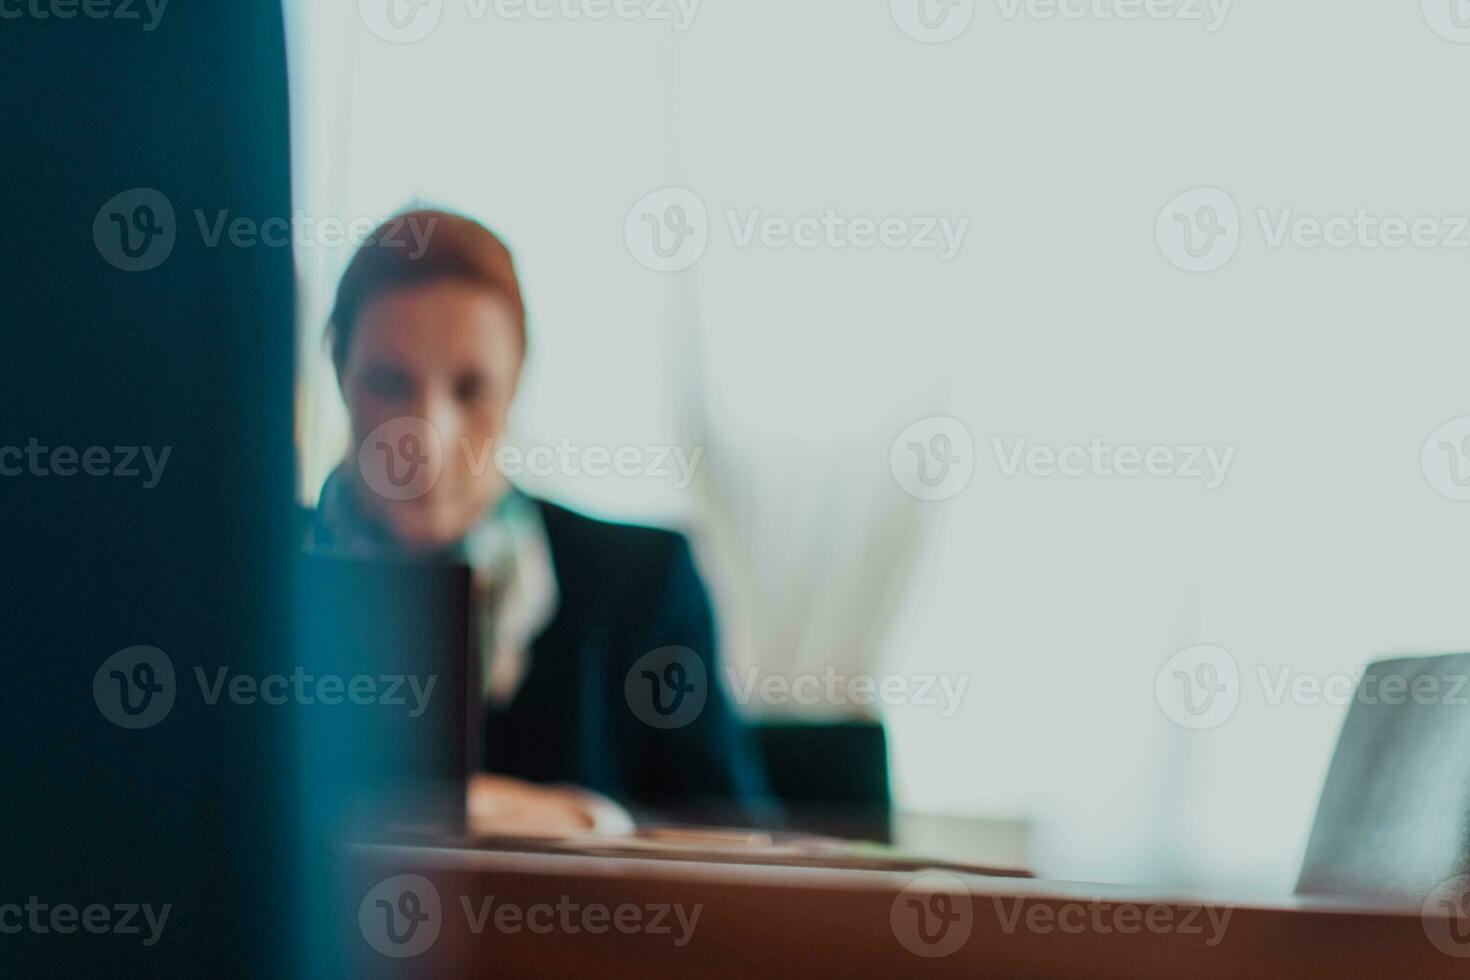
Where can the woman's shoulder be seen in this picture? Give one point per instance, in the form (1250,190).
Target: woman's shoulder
(576,530)
(645,577)
(609,551)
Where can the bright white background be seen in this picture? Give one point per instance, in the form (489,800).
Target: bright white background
(1060,320)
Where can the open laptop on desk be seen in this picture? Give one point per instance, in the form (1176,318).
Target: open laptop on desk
(393,768)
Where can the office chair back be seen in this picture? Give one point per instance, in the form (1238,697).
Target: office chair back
(829,778)
(1392,820)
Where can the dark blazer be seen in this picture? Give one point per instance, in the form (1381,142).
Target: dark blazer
(626,592)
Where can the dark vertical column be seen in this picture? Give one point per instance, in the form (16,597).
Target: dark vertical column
(126,333)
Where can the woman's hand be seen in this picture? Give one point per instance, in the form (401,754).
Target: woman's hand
(511,808)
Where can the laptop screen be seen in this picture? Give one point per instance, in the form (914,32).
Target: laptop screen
(389,729)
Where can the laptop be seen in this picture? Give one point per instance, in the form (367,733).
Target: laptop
(389,714)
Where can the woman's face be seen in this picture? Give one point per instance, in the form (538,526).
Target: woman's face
(428,381)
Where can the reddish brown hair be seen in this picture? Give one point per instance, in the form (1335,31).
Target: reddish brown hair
(419,247)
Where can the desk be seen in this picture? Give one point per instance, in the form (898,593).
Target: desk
(740,921)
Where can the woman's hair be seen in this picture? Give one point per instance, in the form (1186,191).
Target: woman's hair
(419,247)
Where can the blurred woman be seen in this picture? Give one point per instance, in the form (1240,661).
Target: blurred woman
(428,344)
